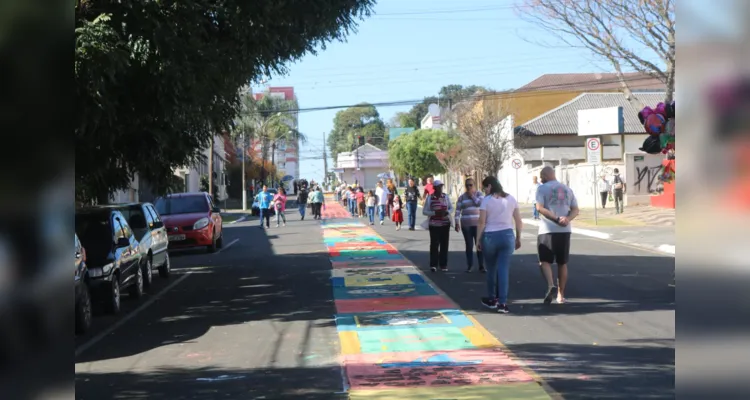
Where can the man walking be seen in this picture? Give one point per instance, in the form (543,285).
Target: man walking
(302,201)
(532,196)
(558,207)
(316,201)
(412,196)
(620,189)
(604,190)
(264,202)
(382,195)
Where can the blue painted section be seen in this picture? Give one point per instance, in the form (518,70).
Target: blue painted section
(374,292)
(402,320)
(361,239)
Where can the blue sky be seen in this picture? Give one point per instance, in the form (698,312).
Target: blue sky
(410,49)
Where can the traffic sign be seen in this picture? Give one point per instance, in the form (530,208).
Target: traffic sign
(593,150)
(516,163)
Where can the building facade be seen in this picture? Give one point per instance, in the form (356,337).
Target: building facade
(283,153)
(363,165)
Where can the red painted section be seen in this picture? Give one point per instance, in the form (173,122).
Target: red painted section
(668,198)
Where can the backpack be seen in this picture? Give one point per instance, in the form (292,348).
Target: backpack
(618,182)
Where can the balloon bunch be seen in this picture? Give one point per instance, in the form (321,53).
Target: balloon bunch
(659,124)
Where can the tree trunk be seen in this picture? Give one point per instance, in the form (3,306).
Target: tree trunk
(211,168)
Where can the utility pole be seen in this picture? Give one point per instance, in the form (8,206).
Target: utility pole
(273,161)
(325,160)
(211,169)
(244,183)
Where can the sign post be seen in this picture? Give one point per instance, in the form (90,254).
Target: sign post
(594,156)
(516,163)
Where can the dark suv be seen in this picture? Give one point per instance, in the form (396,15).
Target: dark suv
(112,255)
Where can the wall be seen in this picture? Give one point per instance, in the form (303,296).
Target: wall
(642,177)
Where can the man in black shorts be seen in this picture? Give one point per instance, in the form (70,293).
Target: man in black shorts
(557,206)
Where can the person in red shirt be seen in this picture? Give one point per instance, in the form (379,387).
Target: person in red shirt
(360,196)
(428,188)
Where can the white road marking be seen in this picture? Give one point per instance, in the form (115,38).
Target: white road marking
(228,246)
(96,339)
(667,248)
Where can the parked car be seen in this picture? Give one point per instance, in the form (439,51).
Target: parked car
(255,210)
(191,220)
(112,255)
(153,242)
(83,297)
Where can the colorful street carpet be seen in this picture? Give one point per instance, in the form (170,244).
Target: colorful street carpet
(403,339)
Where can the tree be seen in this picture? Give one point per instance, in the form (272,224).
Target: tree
(486,135)
(628,33)
(415,153)
(452,157)
(361,120)
(448,95)
(269,119)
(155,80)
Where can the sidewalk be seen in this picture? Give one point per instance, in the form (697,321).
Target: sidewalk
(642,226)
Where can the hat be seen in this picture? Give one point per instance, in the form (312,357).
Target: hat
(437,182)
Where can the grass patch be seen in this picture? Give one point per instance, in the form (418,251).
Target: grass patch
(231,217)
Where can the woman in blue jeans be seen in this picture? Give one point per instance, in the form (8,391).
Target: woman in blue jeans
(498,215)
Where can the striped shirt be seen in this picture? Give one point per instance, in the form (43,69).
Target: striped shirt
(467,209)
(438,203)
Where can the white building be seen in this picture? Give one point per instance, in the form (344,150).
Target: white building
(362,165)
(192,174)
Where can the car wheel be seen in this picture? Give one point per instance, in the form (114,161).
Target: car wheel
(113,299)
(212,247)
(136,290)
(83,311)
(148,274)
(166,268)
(220,240)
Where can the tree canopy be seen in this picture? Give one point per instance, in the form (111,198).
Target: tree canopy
(155,80)
(448,94)
(416,153)
(361,120)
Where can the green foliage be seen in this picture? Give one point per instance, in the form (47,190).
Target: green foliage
(415,153)
(362,120)
(154,80)
(450,94)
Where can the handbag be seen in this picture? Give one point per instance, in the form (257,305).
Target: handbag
(610,197)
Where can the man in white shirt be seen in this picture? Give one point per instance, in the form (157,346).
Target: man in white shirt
(532,196)
(382,195)
(604,190)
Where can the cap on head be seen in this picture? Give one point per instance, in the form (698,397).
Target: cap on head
(437,182)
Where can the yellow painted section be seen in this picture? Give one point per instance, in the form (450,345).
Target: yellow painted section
(479,337)
(361,281)
(349,343)
(519,391)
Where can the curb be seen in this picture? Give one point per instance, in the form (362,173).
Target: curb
(665,248)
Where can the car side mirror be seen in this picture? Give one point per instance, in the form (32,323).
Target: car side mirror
(216,210)
(157,224)
(123,242)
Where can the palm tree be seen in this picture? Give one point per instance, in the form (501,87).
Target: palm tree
(270,120)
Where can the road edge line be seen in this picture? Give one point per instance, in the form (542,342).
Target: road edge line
(96,339)
(228,245)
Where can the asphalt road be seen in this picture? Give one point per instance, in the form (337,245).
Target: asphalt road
(255,321)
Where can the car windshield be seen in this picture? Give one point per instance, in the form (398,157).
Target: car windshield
(95,234)
(181,205)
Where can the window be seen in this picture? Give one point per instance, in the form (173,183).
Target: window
(117,228)
(154,214)
(148,215)
(181,205)
(126,231)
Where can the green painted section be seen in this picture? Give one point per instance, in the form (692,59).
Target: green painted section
(416,339)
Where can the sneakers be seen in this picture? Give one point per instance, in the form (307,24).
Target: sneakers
(277,225)
(381,222)
(502,309)
(490,303)
(468,269)
(372,223)
(483,270)
(398,228)
(433,269)
(551,294)
(411,228)
(444,269)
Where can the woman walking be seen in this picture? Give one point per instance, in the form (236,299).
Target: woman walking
(467,220)
(411,197)
(371,201)
(438,208)
(316,200)
(398,214)
(279,205)
(361,203)
(497,216)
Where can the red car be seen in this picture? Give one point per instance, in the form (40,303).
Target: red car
(191,220)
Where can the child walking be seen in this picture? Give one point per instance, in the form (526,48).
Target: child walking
(371,201)
(397,215)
